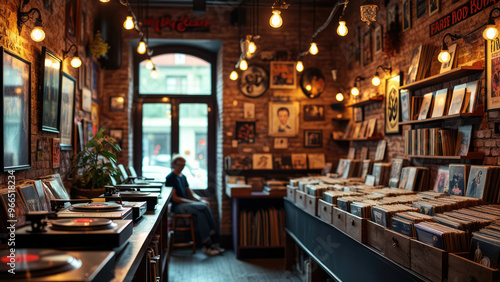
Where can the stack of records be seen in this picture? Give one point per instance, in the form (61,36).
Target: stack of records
(405,199)
(275,185)
(352,168)
(317,190)
(390,192)
(383,214)
(483,183)
(361,209)
(485,247)
(414,178)
(442,237)
(403,222)
(344,203)
(381,172)
(332,196)
(366,168)
(420,63)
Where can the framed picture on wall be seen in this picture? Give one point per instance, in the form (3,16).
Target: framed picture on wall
(367,48)
(245,132)
(254,81)
(392,105)
(86,100)
(283,75)
(312,82)
(433,7)
(406,14)
(392,17)
(421,8)
(117,134)
(314,112)
(16,128)
(378,40)
(50,80)
(493,74)
(283,119)
(117,104)
(56,152)
(67,110)
(313,138)
(72,20)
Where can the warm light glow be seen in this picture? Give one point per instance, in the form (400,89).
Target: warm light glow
(76,62)
(342,29)
(490,32)
(444,56)
(18,90)
(300,66)
(339,97)
(48,63)
(141,49)
(104,1)
(149,64)
(276,20)
(120,99)
(308,87)
(37,34)
(129,23)
(243,65)
(252,47)
(56,66)
(313,49)
(154,73)
(233,75)
(355,91)
(376,80)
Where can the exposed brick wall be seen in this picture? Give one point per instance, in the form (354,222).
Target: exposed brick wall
(55,40)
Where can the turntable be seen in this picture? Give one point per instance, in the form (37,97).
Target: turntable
(129,194)
(78,233)
(97,210)
(138,208)
(53,265)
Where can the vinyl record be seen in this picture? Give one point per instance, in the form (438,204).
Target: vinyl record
(82,224)
(134,193)
(36,262)
(97,207)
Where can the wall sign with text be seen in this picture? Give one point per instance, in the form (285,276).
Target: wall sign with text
(182,24)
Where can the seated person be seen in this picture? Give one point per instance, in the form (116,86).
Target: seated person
(184,201)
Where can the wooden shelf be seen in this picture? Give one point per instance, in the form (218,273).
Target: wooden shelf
(366,102)
(470,156)
(341,119)
(262,172)
(360,139)
(462,115)
(444,77)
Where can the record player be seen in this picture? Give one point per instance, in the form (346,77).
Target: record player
(114,193)
(77,233)
(96,210)
(138,208)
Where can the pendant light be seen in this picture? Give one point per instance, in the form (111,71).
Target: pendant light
(491,31)
(300,66)
(233,75)
(313,49)
(128,24)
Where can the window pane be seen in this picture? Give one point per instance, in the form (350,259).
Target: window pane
(156,145)
(193,128)
(178,74)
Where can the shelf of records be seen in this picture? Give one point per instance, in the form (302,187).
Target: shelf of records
(440,143)
(359,131)
(267,161)
(445,76)
(370,100)
(462,102)
(449,232)
(262,228)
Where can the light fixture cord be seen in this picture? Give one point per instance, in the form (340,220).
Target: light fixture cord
(330,17)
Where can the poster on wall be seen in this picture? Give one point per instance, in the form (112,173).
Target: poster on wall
(392,106)
(493,74)
(283,119)
(67,109)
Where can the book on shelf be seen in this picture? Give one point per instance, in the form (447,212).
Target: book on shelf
(463,140)
(405,105)
(440,103)
(351,153)
(372,124)
(457,99)
(473,88)
(426,106)
(420,63)
(416,102)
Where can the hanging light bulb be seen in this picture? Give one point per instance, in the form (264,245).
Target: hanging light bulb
(37,34)
(339,97)
(154,73)
(243,65)
(313,49)
(129,23)
(444,55)
(141,49)
(355,91)
(252,47)
(233,75)
(300,66)
(376,80)
(276,20)
(149,64)
(342,29)
(490,32)
(76,62)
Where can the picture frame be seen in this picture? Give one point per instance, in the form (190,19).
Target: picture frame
(312,82)
(378,44)
(50,83)
(313,138)
(116,104)
(280,143)
(68,89)
(405,104)
(87,132)
(79,137)
(447,66)
(314,112)
(254,81)
(283,75)
(421,8)
(433,7)
(72,20)
(392,17)
(117,134)
(86,100)
(357,114)
(406,15)
(493,74)
(392,105)
(367,48)
(94,115)
(56,152)
(249,110)
(16,122)
(262,161)
(245,132)
(283,119)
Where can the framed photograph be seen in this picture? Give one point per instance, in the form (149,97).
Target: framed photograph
(357,114)
(72,20)
(262,161)
(407,14)
(254,81)
(68,88)
(378,40)
(50,80)
(82,70)
(433,7)
(280,143)
(117,134)
(421,8)
(392,111)
(314,112)
(493,74)
(245,132)
(405,104)
(449,65)
(312,82)
(94,115)
(299,161)
(283,75)
(313,138)
(56,152)
(367,48)
(283,119)
(316,161)
(249,110)
(117,104)
(86,100)
(16,129)
(392,17)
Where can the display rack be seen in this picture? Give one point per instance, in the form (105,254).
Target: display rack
(469,156)
(444,77)
(457,116)
(368,101)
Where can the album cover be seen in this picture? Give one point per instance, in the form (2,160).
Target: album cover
(366,168)
(485,250)
(405,105)
(465,133)
(457,179)
(439,103)
(380,153)
(402,226)
(262,161)
(372,124)
(425,107)
(299,161)
(442,180)
(457,99)
(429,236)
(477,179)
(370,180)
(316,161)
(30,197)
(282,162)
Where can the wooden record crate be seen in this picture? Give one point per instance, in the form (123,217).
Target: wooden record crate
(355,227)
(312,204)
(338,219)
(300,198)
(398,247)
(462,269)
(375,236)
(325,211)
(429,261)
(290,192)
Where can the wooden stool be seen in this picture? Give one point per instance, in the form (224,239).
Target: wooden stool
(183,228)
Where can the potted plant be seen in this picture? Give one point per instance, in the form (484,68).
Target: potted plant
(95,166)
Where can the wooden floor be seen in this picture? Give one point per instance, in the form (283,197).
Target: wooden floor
(185,266)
